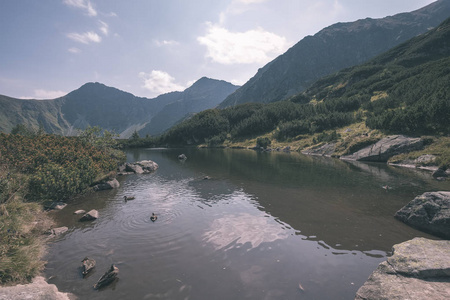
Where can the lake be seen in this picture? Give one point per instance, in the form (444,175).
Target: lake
(262,226)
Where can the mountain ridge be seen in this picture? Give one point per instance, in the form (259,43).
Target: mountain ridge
(95,104)
(333,48)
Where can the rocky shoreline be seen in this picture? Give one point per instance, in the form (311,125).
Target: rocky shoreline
(38,289)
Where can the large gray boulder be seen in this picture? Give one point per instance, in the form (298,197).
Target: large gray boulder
(385,148)
(429,212)
(418,269)
(90,216)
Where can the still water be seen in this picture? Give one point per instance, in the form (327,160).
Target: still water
(264,226)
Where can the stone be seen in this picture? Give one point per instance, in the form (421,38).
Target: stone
(90,216)
(182,157)
(385,148)
(440,173)
(418,269)
(429,212)
(108,185)
(79,212)
(323,150)
(55,205)
(38,289)
(139,167)
(57,231)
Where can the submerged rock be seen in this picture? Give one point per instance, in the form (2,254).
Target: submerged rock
(429,212)
(440,174)
(418,269)
(79,212)
(90,215)
(387,147)
(182,157)
(108,277)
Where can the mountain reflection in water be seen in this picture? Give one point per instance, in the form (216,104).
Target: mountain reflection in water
(259,226)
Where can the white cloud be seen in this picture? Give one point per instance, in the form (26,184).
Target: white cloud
(250,1)
(74,50)
(83,4)
(160,82)
(85,38)
(104,28)
(166,43)
(252,46)
(45,94)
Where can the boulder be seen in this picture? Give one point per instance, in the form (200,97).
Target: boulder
(79,212)
(429,212)
(385,148)
(109,185)
(90,215)
(418,269)
(140,167)
(54,205)
(440,173)
(182,157)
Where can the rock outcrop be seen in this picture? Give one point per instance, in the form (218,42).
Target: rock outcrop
(386,148)
(418,269)
(139,167)
(324,150)
(429,212)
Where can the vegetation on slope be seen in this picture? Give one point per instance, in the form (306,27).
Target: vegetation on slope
(35,167)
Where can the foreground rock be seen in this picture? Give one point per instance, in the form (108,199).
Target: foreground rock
(39,289)
(418,269)
(323,150)
(429,212)
(57,231)
(90,216)
(387,147)
(109,185)
(140,167)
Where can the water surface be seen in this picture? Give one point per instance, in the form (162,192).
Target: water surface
(263,226)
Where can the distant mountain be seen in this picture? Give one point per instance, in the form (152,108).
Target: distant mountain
(95,104)
(334,48)
(203,94)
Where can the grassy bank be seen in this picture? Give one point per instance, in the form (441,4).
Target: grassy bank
(35,168)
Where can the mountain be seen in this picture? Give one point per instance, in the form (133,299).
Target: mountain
(405,90)
(95,104)
(203,94)
(334,48)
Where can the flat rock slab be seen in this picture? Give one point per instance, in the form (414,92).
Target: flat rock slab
(385,148)
(90,215)
(429,212)
(418,269)
(39,289)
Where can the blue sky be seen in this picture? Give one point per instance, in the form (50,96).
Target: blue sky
(149,47)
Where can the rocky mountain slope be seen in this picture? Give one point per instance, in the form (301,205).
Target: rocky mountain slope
(95,104)
(336,47)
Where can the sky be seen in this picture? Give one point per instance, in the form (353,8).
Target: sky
(49,48)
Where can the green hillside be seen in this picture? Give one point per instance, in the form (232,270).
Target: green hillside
(405,90)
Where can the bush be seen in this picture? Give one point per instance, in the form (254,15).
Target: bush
(263,142)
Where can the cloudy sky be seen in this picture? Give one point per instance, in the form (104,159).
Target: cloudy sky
(148,47)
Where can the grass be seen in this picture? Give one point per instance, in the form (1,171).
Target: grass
(21,248)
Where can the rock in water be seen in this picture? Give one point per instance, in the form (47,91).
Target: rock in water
(429,212)
(90,215)
(418,269)
(107,278)
(88,265)
(182,157)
